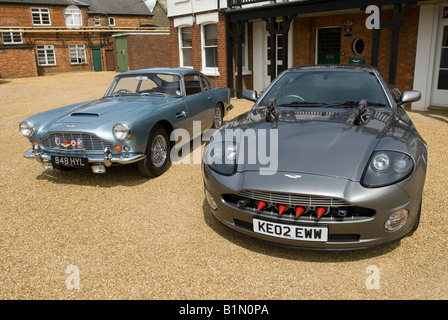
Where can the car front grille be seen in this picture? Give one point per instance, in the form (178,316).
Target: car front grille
(335,209)
(68,141)
(292,199)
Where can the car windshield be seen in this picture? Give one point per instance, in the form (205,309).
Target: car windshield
(154,84)
(325,88)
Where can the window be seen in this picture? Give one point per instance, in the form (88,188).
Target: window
(73,17)
(46,55)
(41,16)
(111,21)
(210,48)
(186,50)
(77,53)
(12,37)
(97,21)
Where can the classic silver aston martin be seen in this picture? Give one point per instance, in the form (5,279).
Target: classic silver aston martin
(327,158)
(131,123)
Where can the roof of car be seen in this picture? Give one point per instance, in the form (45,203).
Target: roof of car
(334,67)
(177,71)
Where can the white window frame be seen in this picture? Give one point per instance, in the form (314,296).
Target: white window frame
(210,71)
(73,17)
(97,21)
(78,52)
(41,12)
(111,21)
(45,49)
(245,49)
(181,47)
(11,32)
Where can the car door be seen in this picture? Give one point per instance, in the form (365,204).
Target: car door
(198,101)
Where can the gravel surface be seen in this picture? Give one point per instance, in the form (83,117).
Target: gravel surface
(77,235)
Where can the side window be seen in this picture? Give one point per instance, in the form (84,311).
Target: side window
(192,84)
(206,85)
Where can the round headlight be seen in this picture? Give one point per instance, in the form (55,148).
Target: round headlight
(402,164)
(26,128)
(121,131)
(381,162)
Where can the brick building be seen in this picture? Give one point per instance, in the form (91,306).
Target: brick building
(39,37)
(245,44)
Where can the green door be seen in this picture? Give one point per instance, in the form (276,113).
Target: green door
(96,55)
(329,45)
(121,45)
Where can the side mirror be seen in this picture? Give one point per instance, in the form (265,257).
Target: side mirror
(250,95)
(409,96)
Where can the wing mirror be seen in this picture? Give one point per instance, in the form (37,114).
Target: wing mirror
(250,95)
(409,96)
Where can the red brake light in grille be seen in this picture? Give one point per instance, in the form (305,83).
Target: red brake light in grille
(281,208)
(299,210)
(320,211)
(261,205)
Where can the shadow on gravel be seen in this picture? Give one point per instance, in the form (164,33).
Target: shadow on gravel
(128,176)
(291,253)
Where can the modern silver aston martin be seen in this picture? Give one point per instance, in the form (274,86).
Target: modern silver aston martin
(132,123)
(327,158)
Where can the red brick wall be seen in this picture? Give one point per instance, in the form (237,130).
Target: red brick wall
(18,62)
(305,33)
(149,51)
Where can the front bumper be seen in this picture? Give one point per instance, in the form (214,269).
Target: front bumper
(97,162)
(363,228)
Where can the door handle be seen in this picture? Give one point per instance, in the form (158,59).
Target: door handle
(181,114)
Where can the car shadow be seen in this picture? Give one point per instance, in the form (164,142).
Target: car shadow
(114,176)
(436,115)
(288,252)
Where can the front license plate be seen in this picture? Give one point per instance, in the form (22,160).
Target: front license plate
(292,232)
(75,162)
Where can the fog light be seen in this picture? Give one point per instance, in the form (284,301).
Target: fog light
(47,165)
(210,200)
(396,220)
(98,168)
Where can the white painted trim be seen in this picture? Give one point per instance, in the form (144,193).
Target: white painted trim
(207,18)
(183,22)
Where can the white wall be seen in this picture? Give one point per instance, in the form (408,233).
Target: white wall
(184,7)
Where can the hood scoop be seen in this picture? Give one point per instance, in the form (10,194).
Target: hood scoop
(84,114)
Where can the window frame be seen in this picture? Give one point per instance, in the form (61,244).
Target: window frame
(97,21)
(11,31)
(82,56)
(210,71)
(74,13)
(40,12)
(46,49)
(182,48)
(109,20)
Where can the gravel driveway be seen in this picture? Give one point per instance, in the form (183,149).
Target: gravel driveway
(76,235)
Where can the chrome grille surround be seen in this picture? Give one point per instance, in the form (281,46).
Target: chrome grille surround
(293,199)
(90,142)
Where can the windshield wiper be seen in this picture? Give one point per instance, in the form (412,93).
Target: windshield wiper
(354,104)
(303,104)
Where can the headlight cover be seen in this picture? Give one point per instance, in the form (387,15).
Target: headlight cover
(121,131)
(26,128)
(386,168)
(221,157)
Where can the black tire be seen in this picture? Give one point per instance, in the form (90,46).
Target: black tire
(218,117)
(157,159)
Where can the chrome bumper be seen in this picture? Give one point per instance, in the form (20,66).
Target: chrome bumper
(106,160)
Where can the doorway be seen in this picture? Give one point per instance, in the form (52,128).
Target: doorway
(440,81)
(96,56)
(329,45)
(121,45)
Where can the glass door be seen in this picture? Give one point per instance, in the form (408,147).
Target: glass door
(440,82)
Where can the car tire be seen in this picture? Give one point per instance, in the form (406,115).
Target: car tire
(218,117)
(157,159)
